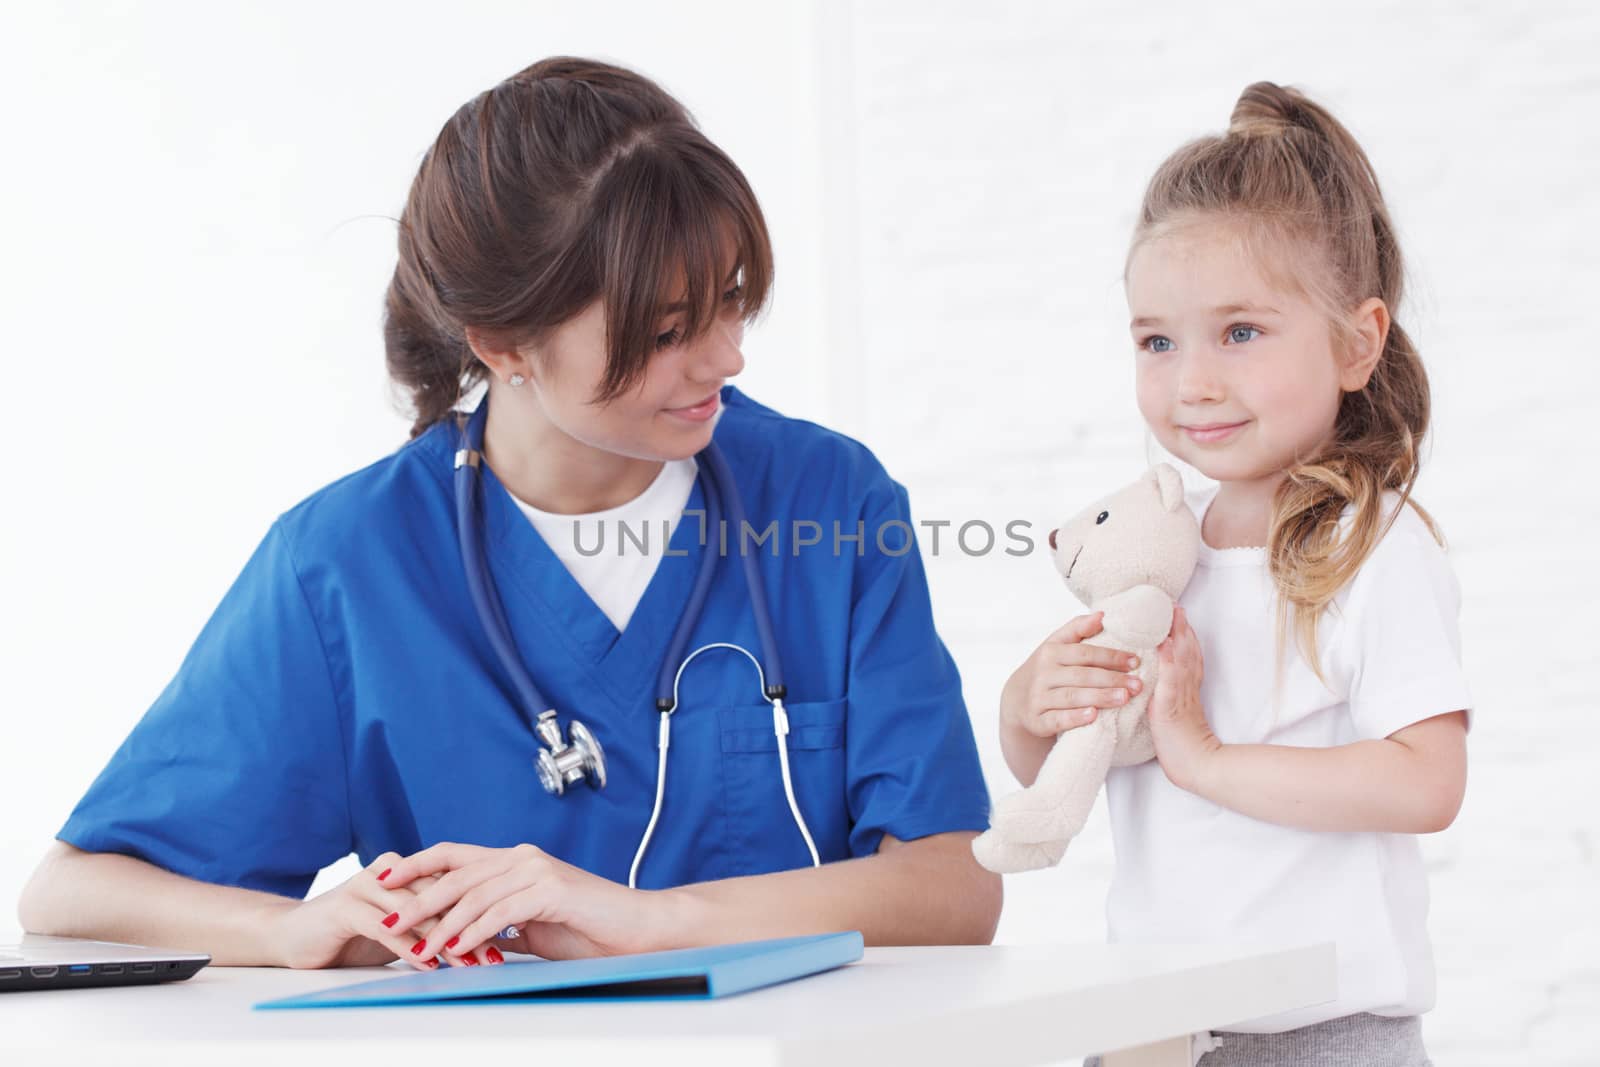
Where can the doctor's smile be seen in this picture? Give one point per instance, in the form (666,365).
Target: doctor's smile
(698,412)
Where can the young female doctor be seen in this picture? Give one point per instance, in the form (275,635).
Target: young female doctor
(374,679)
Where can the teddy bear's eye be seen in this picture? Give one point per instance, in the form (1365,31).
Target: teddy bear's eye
(1102,517)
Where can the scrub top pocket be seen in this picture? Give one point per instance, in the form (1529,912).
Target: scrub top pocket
(760,826)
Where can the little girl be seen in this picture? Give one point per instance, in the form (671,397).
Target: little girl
(1327,728)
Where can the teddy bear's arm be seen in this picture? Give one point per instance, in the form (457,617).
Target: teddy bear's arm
(1140,617)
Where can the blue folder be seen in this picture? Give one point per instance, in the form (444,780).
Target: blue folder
(680,974)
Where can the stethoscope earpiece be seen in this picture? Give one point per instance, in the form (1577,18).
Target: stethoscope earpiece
(773,695)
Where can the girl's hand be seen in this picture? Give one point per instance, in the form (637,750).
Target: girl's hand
(344,926)
(563,912)
(1183,737)
(1062,683)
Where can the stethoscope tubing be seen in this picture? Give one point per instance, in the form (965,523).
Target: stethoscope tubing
(484,595)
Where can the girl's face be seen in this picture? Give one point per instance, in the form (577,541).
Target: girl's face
(1236,376)
(669,413)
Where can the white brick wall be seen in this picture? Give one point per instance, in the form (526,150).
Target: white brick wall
(1001,152)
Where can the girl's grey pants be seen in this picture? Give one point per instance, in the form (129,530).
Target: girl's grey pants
(1366,1040)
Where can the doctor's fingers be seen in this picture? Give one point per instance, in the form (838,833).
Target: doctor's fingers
(383,866)
(414,942)
(423,915)
(517,896)
(365,912)
(383,896)
(376,916)
(430,943)
(454,883)
(527,909)
(439,859)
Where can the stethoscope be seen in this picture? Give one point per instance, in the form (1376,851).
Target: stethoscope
(561,763)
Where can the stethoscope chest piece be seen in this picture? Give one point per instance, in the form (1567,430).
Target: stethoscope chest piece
(562,764)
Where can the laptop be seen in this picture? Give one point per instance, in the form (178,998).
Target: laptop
(39,962)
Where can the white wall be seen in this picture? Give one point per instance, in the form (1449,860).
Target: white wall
(197,241)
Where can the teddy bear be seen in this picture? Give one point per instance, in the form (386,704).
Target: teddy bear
(1129,555)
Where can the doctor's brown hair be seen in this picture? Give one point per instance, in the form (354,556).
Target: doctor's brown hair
(570,181)
(1307,201)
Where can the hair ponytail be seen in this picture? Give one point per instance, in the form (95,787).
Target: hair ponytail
(1293,176)
(422,354)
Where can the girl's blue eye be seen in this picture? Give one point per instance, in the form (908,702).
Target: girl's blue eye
(1157,344)
(1250,333)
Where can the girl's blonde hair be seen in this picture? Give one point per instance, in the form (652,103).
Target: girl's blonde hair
(1291,177)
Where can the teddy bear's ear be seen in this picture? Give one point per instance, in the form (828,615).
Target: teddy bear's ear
(1170,485)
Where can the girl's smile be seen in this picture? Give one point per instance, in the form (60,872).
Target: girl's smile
(1213,433)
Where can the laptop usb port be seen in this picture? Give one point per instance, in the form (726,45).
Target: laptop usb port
(111,968)
(80,968)
(144,968)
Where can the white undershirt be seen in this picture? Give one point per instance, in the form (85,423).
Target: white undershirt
(1190,870)
(621,546)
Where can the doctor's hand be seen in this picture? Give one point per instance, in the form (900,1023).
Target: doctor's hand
(1063,681)
(344,927)
(562,911)
(1183,737)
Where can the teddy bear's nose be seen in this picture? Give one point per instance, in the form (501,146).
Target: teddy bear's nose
(1052,540)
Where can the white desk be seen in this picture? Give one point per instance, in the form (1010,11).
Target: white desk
(990,1005)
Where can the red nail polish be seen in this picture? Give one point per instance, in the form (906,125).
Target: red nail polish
(494,955)
(416,950)
(453,942)
(385,873)
(392,919)
(469,961)
(432,965)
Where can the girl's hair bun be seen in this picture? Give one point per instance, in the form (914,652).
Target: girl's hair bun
(1267,109)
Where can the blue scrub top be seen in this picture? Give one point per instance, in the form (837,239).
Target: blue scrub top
(344,698)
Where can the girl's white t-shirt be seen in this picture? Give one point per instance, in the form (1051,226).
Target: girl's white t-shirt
(1189,870)
(631,540)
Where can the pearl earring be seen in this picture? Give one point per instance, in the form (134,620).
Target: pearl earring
(517,379)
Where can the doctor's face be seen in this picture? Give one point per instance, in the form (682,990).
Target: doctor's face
(670,412)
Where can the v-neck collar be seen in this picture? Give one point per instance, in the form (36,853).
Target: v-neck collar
(540,594)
